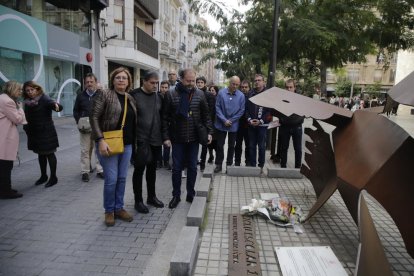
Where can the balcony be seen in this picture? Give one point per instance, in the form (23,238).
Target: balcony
(173,54)
(146,43)
(164,49)
(147,8)
(182,48)
(183,18)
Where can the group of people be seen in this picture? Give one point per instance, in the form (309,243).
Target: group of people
(155,125)
(35,114)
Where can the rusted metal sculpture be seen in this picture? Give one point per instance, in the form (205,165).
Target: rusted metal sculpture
(369,152)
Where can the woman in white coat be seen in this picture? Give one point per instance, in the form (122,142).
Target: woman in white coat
(11,115)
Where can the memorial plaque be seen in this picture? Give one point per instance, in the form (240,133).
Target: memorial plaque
(243,249)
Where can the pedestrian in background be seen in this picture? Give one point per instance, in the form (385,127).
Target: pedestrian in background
(212,147)
(149,105)
(166,151)
(290,127)
(81,112)
(242,133)
(106,115)
(11,115)
(186,109)
(40,129)
(258,118)
(230,106)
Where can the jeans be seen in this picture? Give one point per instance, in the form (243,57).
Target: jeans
(188,153)
(285,133)
(116,170)
(242,134)
(150,176)
(221,139)
(257,139)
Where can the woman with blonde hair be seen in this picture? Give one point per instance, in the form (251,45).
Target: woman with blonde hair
(40,129)
(107,115)
(11,115)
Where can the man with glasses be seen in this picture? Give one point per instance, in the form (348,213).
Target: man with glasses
(230,106)
(242,133)
(258,118)
(290,127)
(149,105)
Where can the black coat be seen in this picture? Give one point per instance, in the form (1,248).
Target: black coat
(83,105)
(40,129)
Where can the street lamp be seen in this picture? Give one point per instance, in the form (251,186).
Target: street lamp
(272,69)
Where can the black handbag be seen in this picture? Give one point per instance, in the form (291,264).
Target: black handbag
(202,135)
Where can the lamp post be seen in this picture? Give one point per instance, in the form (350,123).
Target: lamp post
(272,69)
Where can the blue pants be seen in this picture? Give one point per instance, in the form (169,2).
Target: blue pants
(285,133)
(184,154)
(116,170)
(257,139)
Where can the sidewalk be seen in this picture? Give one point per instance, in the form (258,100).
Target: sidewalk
(60,230)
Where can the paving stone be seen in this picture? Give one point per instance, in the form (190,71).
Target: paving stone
(284,173)
(243,171)
(183,259)
(202,187)
(208,172)
(197,210)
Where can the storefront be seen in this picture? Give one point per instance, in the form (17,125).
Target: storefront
(49,42)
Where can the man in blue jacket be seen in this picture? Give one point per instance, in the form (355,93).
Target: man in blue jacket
(230,106)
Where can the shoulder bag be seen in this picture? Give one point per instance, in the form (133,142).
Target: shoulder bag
(115,138)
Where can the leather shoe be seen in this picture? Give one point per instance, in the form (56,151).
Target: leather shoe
(85,177)
(217,169)
(52,181)
(154,201)
(10,194)
(189,198)
(174,202)
(100,175)
(41,180)
(141,208)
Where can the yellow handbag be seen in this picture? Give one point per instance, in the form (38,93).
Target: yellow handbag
(115,138)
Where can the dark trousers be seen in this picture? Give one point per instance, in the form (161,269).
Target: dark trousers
(184,154)
(285,133)
(242,135)
(6,167)
(257,142)
(150,176)
(166,153)
(221,139)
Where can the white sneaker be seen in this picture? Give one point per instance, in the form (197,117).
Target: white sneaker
(184,174)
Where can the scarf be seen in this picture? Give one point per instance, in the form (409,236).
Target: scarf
(184,104)
(32,102)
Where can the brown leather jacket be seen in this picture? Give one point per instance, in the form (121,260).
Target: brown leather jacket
(105,112)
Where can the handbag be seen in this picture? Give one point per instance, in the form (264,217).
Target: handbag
(83,125)
(202,134)
(115,138)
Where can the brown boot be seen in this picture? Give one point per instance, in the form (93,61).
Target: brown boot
(109,219)
(123,215)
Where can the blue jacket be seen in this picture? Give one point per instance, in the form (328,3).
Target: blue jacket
(229,107)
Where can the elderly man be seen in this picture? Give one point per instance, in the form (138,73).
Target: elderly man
(172,79)
(230,106)
(81,112)
(185,110)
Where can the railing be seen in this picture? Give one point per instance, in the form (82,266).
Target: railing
(164,50)
(146,43)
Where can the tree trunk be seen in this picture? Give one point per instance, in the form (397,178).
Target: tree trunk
(323,79)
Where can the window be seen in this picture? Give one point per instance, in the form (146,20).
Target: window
(378,75)
(119,18)
(392,75)
(353,75)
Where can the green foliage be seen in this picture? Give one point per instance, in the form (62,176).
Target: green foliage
(312,35)
(343,88)
(373,89)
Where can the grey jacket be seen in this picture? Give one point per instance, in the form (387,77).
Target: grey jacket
(105,112)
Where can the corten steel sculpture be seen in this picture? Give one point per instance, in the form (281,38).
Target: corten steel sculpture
(369,152)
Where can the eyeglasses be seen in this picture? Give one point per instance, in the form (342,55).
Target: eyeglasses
(121,78)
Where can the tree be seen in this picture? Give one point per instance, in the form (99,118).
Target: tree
(314,34)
